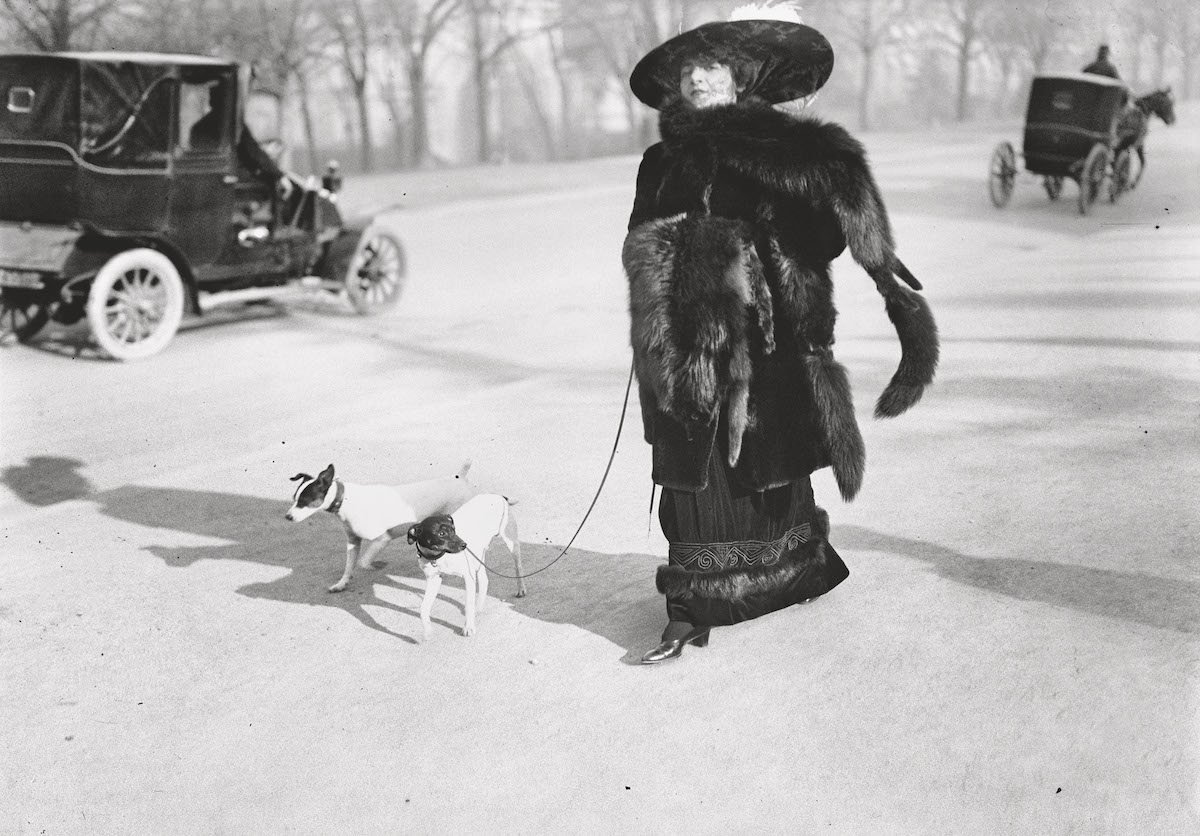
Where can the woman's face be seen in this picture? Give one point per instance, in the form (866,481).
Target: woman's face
(707,83)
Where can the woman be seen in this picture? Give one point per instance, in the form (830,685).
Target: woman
(739,211)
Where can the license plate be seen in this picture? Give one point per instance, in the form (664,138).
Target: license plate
(20,278)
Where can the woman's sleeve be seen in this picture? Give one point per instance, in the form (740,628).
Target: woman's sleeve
(644,209)
(648,177)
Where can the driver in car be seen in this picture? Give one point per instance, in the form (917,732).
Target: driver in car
(255,165)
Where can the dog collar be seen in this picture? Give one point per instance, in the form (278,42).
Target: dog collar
(432,558)
(336,505)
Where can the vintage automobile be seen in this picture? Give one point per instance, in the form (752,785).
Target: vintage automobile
(131,192)
(1070,132)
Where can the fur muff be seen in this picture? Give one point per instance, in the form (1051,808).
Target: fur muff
(696,289)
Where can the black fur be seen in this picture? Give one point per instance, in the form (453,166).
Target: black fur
(738,584)
(696,289)
(821,164)
(788,194)
(835,411)
(914,324)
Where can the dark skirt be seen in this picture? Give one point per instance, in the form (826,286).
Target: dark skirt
(737,554)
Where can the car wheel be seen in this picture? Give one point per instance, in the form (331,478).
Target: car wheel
(377,272)
(135,304)
(22,313)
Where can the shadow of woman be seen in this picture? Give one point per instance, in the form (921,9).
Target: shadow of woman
(46,480)
(609,595)
(1152,600)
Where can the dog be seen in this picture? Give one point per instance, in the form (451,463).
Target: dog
(456,544)
(374,515)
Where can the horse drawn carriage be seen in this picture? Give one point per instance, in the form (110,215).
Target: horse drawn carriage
(1081,127)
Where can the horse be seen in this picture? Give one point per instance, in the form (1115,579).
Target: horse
(1134,124)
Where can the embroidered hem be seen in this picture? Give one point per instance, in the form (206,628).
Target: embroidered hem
(718,557)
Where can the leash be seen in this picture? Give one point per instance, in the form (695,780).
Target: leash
(612,455)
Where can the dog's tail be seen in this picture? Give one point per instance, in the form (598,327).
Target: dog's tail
(462,471)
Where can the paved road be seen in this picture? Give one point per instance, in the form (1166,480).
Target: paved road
(1014,652)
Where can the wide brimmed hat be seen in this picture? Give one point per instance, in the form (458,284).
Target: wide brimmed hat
(783,61)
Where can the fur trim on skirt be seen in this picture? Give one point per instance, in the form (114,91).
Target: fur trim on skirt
(736,554)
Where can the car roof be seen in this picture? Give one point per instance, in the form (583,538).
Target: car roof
(115,57)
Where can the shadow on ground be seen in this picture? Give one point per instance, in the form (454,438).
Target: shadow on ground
(611,596)
(75,341)
(46,480)
(1165,603)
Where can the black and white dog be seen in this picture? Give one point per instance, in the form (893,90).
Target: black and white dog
(456,544)
(374,515)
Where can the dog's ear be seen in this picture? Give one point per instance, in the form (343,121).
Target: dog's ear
(300,477)
(326,477)
(412,534)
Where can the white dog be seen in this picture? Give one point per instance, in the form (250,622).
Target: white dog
(374,515)
(456,544)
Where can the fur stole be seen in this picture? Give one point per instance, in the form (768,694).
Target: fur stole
(822,164)
(697,297)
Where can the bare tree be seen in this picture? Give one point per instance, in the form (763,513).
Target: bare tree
(870,25)
(1163,26)
(350,24)
(279,39)
(526,74)
(1189,56)
(963,27)
(55,25)
(620,33)
(494,26)
(418,25)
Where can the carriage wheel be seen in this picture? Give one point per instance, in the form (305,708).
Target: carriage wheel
(1091,176)
(1002,174)
(1053,187)
(1122,171)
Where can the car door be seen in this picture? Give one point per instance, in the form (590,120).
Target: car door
(210,204)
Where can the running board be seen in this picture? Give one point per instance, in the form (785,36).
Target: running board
(222,298)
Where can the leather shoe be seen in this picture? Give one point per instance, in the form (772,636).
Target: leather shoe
(670,649)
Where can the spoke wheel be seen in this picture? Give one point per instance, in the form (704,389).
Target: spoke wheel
(377,272)
(1053,187)
(1091,177)
(22,313)
(1122,171)
(1002,174)
(135,304)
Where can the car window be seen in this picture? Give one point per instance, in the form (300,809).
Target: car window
(203,116)
(125,116)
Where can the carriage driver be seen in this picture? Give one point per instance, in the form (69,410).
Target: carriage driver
(1102,66)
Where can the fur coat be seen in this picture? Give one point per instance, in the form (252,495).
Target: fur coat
(739,211)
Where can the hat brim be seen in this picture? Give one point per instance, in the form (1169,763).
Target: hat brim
(787,60)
